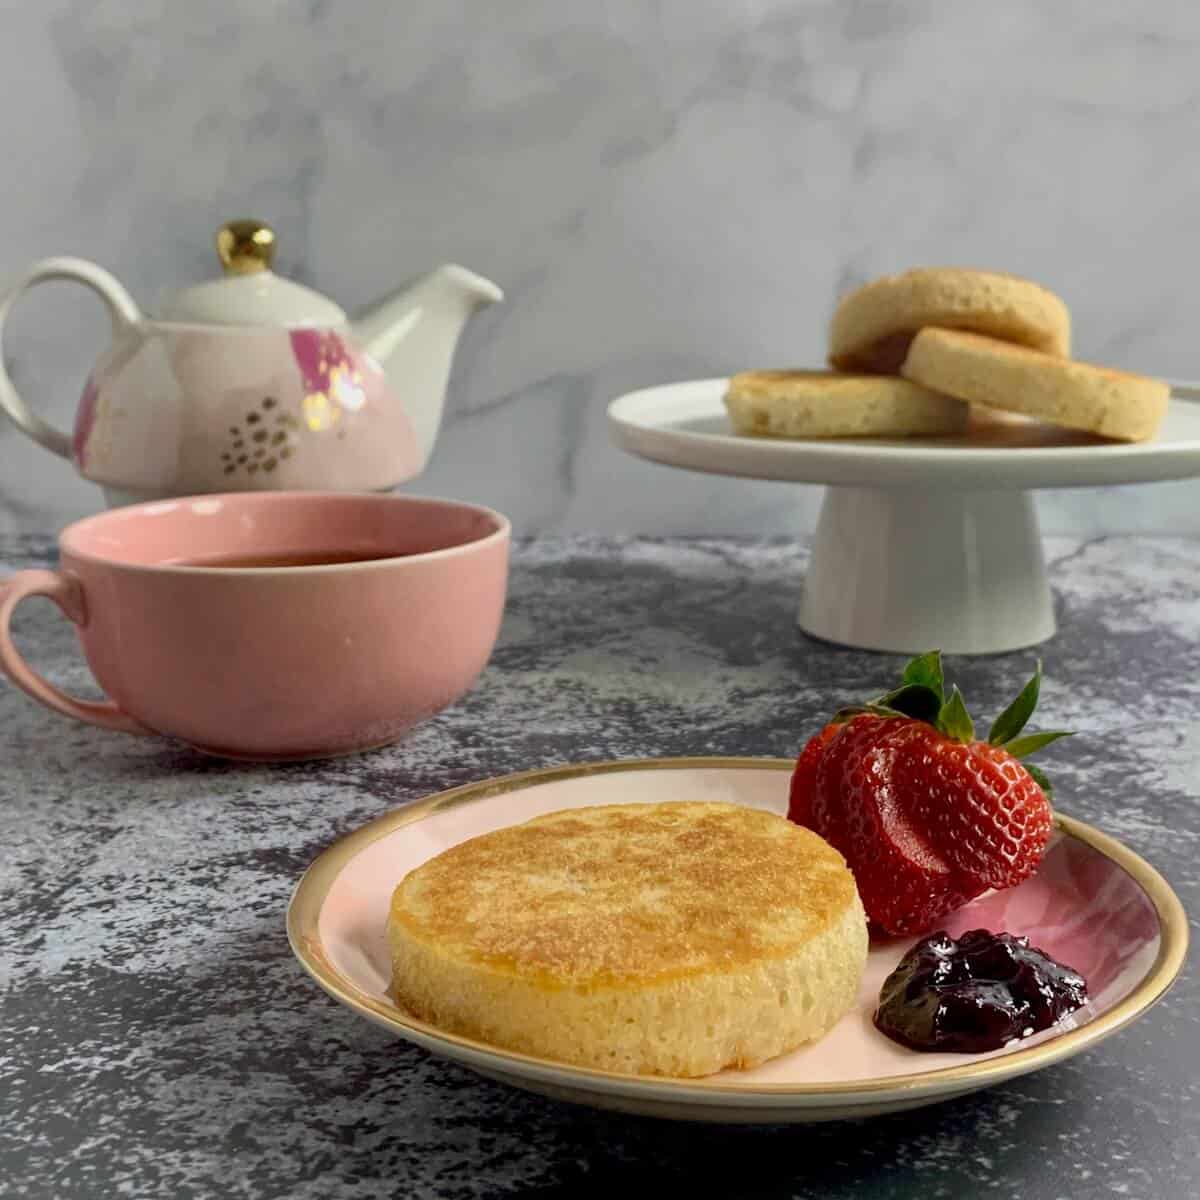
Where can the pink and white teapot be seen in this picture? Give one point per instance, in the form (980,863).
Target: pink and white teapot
(255,382)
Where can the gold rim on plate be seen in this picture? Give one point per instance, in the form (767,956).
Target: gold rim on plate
(304,935)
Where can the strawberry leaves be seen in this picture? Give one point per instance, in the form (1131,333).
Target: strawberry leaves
(1016,716)
(1031,743)
(922,696)
(926,670)
(953,719)
(1007,727)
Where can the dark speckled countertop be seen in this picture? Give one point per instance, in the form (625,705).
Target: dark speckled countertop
(157,1038)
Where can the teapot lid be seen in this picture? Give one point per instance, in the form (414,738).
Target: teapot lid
(250,293)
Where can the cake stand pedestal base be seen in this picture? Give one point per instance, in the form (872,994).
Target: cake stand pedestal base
(909,570)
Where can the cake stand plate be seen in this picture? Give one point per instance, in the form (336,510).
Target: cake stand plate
(921,542)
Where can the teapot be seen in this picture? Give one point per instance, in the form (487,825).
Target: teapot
(254,382)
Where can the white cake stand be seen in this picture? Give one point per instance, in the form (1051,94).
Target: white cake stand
(921,543)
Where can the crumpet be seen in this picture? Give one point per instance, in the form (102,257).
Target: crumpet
(1113,404)
(825,404)
(873,325)
(672,939)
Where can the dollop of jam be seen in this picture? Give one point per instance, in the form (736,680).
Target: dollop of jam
(975,994)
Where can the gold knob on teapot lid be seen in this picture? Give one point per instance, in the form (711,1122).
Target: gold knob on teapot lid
(245,247)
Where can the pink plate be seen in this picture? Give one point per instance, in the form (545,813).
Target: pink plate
(1093,904)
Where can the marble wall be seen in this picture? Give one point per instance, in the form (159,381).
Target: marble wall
(666,189)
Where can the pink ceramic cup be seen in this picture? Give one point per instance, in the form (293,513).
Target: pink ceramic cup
(273,663)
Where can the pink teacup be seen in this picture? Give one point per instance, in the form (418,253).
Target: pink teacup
(273,661)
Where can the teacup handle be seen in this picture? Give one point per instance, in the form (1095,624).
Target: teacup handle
(121,309)
(66,591)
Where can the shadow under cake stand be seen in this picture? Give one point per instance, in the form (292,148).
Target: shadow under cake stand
(922,542)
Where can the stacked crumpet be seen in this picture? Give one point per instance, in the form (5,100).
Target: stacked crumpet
(913,352)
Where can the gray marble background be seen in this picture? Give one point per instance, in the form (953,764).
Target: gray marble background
(666,189)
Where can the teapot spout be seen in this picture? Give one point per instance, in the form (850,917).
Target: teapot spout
(412,335)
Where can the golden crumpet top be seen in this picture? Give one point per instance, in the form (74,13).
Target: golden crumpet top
(628,893)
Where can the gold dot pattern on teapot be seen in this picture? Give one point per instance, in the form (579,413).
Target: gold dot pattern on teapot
(253,446)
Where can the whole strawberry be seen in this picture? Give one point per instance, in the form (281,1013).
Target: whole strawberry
(926,816)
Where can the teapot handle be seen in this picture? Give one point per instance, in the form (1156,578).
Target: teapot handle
(121,309)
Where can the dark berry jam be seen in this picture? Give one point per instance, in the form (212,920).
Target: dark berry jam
(979,993)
